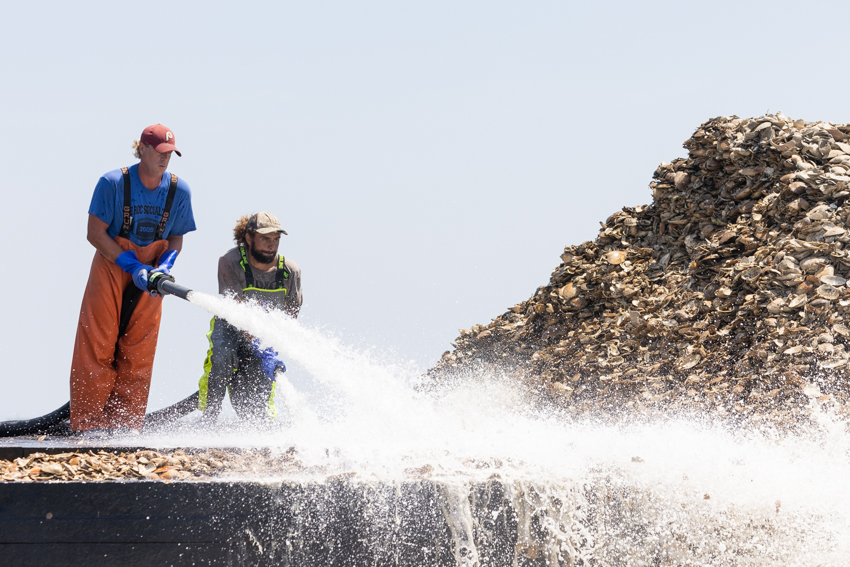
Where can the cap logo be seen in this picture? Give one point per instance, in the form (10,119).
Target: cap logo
(168,135)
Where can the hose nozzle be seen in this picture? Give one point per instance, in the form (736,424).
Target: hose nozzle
(163,284)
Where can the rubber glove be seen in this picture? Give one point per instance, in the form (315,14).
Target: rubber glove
(166,262)
(129,262)
(269,360)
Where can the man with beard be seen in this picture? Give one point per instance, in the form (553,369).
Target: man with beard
(137,218)
(252,271)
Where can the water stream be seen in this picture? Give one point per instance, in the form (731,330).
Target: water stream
(673,492)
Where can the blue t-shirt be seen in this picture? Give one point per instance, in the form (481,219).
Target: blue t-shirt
(107,204)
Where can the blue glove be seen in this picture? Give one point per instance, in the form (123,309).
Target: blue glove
(129,262)
(166,262)
(269,360)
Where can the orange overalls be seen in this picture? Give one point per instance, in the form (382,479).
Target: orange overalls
(111,375)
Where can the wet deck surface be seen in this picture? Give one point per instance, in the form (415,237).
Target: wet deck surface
(14,447)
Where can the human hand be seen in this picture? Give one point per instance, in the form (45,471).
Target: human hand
(129,262)
(270,361)
(166,262)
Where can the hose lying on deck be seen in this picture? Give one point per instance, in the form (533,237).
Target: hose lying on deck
(37,426)
(172,413)
(57,422)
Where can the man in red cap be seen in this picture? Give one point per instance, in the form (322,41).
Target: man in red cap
(137,218)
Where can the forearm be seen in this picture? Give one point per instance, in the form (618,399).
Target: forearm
(175,242)
(97,236)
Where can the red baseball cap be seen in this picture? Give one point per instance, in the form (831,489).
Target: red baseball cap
(160,138)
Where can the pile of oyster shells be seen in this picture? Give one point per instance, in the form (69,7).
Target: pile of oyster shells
(728,293)
(145,465)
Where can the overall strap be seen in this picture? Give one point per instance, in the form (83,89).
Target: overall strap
(166,212)
(249,275)
(281,274)
(127,207)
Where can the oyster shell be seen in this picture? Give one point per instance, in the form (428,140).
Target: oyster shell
(836,281)
(615,257)
(828,292)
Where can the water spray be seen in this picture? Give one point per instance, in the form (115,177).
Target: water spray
(553,490)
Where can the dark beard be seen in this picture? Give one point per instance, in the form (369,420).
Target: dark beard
(262,257)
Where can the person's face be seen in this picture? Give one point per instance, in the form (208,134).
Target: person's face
(153,162)
(263,247)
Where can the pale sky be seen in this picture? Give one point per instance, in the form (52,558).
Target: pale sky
(429,160)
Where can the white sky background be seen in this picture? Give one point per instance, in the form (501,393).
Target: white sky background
(429,160)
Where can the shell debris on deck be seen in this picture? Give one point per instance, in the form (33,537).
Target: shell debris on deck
(146,465)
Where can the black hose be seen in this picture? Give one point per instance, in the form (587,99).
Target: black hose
(57,421)
(36,426)
(171,413)
(165,285)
